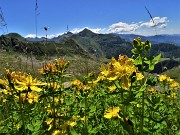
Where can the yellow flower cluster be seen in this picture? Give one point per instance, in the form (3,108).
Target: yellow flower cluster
(112,112)
(152,90)
(30,97)
(121,69)
(22,83)
(64,126)
(58,66)
(78,85)
(165,79)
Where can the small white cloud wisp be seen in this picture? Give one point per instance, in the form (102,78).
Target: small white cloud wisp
(156,22)
(121,27)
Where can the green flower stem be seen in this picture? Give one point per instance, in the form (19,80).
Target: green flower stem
(142,111)
(142,115)
(85,115)
(53,107)
(122,98)
(123,107)
(21,113)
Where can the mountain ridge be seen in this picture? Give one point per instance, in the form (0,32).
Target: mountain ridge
(155,39)
(86,43)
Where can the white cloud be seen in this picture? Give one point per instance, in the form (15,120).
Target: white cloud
(30,36)
(48,36)
(121,27)
(157,21)
(53,35)
(142,27)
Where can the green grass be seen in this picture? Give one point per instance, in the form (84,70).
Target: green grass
(174,73)
(79,66)
(18,62)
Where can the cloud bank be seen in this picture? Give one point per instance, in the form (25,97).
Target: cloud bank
(119,27)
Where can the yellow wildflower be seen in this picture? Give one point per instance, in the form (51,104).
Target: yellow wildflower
(112,88)
(162,78)
(49,68)
(4,91)
(28,82)
(173,95)
(125,82)
(112,112)
(83,118)
(174,84)
(100,77)
(76,82)
(153,90)
(85,87)
(4,100)
(139,76)
(71,123)
(23,97)
(3,83)
(121,70)
(57,132)
(32,97)
(170,80)
(49,121)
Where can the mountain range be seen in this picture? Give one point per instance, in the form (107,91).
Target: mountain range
(156,39)
(165,38)
(89,44)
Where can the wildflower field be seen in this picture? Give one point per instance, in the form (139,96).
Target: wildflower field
(124,99)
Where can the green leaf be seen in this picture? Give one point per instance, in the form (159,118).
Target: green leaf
(139,94)
(151,67)
(30,127)
(92,108)
(37,127)
(82,103)
(157,58)
(73,132)
(135,51)
(36,133)
(68,102)
(117,84)
(143,87)
(138,61)
(152,61)
(146,129)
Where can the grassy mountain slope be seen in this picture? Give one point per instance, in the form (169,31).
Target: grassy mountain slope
(107,45)
(84,44)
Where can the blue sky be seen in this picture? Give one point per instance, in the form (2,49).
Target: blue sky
(101,16)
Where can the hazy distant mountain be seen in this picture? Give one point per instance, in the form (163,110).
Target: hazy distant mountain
(62,37)
(172,39)
(57,39)
(36,39)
